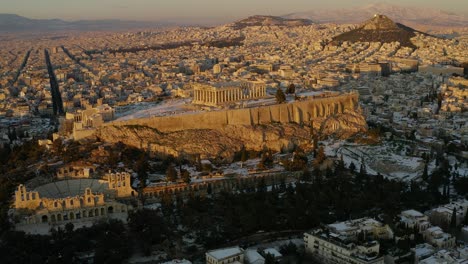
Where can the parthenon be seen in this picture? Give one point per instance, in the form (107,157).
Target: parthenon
(221,93)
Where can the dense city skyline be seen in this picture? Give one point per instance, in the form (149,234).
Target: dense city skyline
(234,132)
(164,9)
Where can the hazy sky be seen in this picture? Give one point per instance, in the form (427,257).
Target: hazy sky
(164,9)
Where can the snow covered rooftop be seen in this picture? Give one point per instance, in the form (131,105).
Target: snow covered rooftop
(353,225)
(273,252)
(423,250)
(224,253)
(412,213)
(178,261)
(342,227)
(252,256)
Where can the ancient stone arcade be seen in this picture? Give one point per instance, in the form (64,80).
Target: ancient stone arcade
(222,93)
(156,192)
(78,201)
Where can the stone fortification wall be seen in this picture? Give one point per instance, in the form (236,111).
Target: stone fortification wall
(297,112)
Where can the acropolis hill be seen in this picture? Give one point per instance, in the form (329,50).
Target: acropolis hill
(300,112)
(222,133)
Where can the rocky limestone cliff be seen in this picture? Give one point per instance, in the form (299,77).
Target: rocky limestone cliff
(220,143)
(223,142)
(342,126)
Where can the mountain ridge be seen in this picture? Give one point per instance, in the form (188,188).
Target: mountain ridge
(17,23)
(382,29)
(416,17)
(409,15)
(263,20)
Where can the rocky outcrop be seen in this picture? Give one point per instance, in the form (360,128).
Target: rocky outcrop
(220,143)
(415,16)
(300,112)
(223,142)
(382,29)
(344,125)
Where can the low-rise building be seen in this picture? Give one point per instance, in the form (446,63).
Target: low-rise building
(413,218)
(83,123)
(442,215)
(423,251)
(225,256)
(329,247)
(273,252)
(438,238)
(253,257)
(367,226)
(443,257)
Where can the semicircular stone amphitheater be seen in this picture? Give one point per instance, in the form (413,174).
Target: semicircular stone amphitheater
(68,188)
(78,201)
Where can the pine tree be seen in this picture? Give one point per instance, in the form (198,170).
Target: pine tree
(69,228)
(291,88)
(466,217)
(311,129)
(261,185)
(320,157)
(362,169)
(453,220)
(186,176)
(341,164)
(269,259)
(282,186)
(171,174)
(141,167)
(198,161)
(352,167)
(361,237)
(306,175)
(280,96)
(425,175)
(166,201)
(243,157)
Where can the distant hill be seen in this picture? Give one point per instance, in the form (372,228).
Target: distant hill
(408,15)
(16,23)
(269,21)
(380,28)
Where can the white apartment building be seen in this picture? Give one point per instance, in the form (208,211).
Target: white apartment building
(331,248)
(413,218)
(438,238)
(225,256)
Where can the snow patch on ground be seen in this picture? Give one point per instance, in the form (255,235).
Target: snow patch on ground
(383,159)
(168,107)
(299,242)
